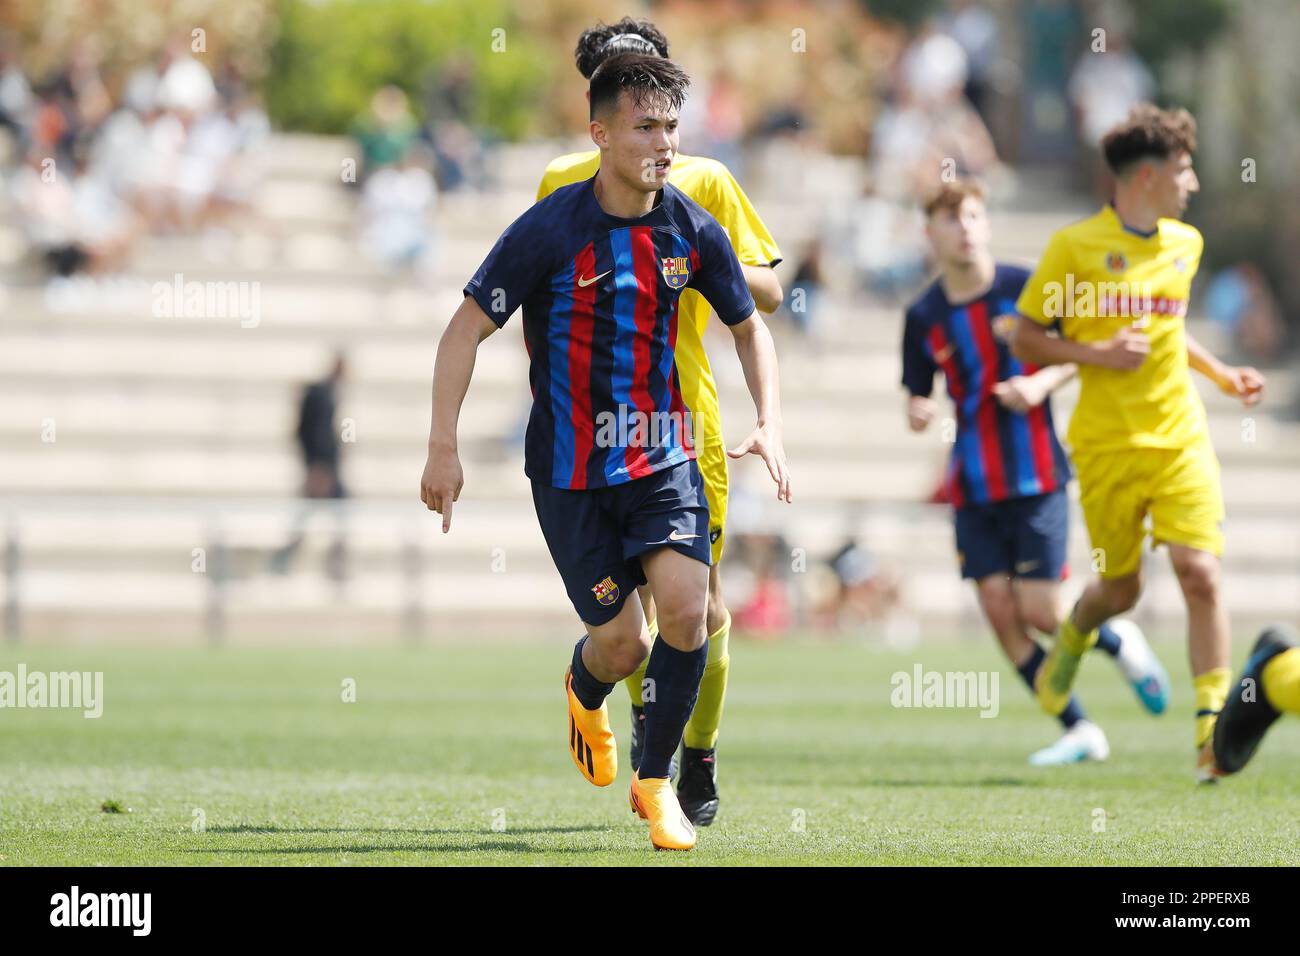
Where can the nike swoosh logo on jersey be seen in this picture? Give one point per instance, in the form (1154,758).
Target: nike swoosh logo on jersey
(674,536)
(583,283)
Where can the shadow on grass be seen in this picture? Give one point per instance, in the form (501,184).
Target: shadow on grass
(484,846)
(956,784)
(424,831)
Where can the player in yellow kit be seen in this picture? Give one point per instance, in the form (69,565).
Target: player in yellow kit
(1115,288)
(709,183)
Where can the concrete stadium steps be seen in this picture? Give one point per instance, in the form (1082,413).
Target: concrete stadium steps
(98,569)
(200,407)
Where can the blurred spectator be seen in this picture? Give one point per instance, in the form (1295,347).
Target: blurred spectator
(1240,301)
(863,590)
(975,29)
(805,291)
(395,206)
(385,131)
(458,149)
(16,99)
(318,443)
(1103,88)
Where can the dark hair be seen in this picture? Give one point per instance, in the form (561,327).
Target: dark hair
(604,40)
(647,79)
(951,195)
(1148,132)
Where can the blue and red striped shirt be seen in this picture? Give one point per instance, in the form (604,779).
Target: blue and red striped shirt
(998,453)
(599,295)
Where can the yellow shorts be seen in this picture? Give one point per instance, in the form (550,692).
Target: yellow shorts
(1177,487)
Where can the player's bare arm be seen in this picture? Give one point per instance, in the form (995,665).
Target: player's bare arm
(764,286)
(1125,352)
(1020,393)
(1239,381)
(757,355)
(443,477)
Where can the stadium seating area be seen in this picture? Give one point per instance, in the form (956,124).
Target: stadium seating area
(171,471)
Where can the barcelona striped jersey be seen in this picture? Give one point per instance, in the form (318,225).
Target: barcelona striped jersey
(998,454)
(600,295)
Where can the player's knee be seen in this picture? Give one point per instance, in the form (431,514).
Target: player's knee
(1198,575)
(1121,594)
(1041,617)
(998,603)
(682,621)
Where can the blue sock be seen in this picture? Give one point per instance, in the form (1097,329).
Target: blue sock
(1108,640)
(591,693)
(672,684)
(1073,712)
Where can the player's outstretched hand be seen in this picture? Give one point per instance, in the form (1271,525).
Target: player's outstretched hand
(441,483)
(1125,352)
(1020,393)
(765,442)
(1244,382)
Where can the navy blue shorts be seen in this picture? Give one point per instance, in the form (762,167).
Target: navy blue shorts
(1018,537)
(597,536)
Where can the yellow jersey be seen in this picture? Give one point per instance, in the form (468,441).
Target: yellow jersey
(709,183)
(1098,276)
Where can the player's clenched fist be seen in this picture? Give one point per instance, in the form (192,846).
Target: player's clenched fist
(921,411)
(1243,382)
(441,483)
(1125,352)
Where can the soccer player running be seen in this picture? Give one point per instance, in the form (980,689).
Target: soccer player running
(598,267)
(1115,288)
(709,183)
(1008,474)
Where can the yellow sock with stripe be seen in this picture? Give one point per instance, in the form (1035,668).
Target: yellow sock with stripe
(1281,680)
(1074,640)
(702,729)
(1211,693)
(634,680)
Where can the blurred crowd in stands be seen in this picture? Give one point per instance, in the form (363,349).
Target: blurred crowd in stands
(88,173)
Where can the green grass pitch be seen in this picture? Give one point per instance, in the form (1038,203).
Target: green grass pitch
(457,755)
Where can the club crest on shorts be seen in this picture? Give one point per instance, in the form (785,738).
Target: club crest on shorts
(676,270)
(606,592)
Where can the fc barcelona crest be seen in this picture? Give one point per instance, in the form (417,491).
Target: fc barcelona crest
(606,592)
(676,270)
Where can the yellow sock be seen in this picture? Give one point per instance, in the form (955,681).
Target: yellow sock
(633,681)
(1281,680)
(1074,640)
(1211,692)
(702,729)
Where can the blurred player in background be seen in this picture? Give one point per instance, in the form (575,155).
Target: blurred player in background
(1115,287)
(598,267)
(709,183)
(1008,473)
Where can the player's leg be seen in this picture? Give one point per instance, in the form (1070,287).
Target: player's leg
(666,527)
(697,788)
(1209,641)
(1112,489)
(1269,687)
(1186,515)
(1042,543)
(586,545)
